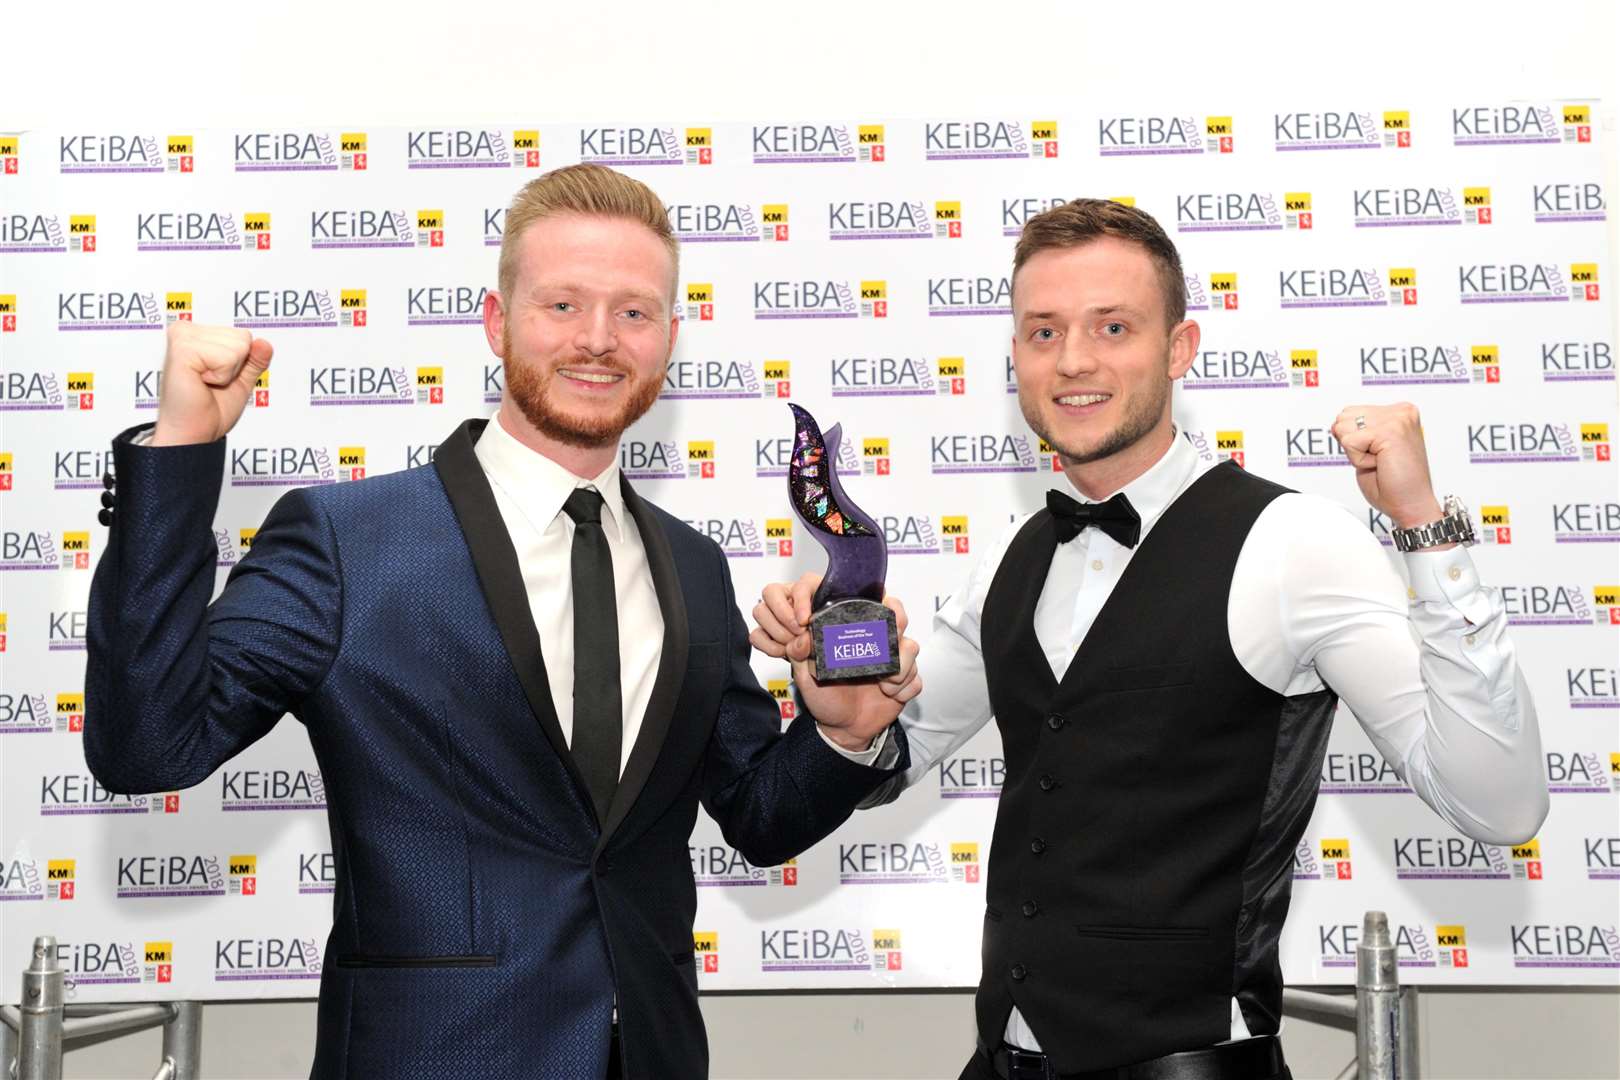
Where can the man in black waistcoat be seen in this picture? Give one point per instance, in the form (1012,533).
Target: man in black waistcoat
(1183,609)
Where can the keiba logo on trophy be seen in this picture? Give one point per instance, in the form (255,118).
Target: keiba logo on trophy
(853,635)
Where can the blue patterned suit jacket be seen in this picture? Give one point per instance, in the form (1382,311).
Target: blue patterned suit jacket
(484,920)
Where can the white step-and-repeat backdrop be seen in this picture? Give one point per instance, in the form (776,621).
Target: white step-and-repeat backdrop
(1451,253)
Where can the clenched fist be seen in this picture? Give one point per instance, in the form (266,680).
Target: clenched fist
(1385,444)
(208,374)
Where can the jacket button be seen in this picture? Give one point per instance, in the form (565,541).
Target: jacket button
(1056,721)
(1019,972)
(105,516)
(1037,845)
(1048,782)
(1030,909)
(107,480)
(107,499)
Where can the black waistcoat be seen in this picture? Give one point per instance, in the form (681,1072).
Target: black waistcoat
(1143,849)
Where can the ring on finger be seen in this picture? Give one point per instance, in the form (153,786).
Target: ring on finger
(1361,422)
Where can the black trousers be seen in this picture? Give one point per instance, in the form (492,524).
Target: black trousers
(979,1068)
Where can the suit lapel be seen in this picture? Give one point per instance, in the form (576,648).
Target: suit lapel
(500,578)
(671,662)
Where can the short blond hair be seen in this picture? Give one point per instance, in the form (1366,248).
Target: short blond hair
(591,190)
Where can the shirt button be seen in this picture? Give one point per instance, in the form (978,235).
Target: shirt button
(1454,573)
(1056,721)
(1019,971)
(1037,845)
(1468,640)
(1096,564)
(1030,908)
(1411,594)
(1048,782)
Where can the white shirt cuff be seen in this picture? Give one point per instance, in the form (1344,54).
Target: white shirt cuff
(859,757)
(1447,579)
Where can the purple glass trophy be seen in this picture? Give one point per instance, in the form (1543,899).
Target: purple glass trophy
(854,636)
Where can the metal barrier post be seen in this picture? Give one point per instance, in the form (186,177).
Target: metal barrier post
(182,1041)
(39,1054)
(8,1049)
(1379,1028)
(1409,1044)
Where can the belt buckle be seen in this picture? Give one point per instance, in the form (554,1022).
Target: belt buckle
(1023,1065)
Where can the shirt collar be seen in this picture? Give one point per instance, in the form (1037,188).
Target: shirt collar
(539,485)
(1152,493)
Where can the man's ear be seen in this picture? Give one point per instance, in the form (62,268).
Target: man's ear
(495,322)
(1184,340)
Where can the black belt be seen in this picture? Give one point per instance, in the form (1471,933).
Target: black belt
(1248,1059)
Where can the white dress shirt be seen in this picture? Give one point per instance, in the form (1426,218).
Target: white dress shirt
(1314,601)
(530,490)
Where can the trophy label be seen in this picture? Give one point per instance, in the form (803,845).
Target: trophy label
(857,644)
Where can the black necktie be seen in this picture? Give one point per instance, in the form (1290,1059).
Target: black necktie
(1116,517)
(598,707)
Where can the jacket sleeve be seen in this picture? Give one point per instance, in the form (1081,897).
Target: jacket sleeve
(174,686)
(776,793)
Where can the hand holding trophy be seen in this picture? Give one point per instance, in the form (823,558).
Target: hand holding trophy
(852,663)
(853,635)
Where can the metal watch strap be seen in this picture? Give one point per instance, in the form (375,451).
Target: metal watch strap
(1455,528)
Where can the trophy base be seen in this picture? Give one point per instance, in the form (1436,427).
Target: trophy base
(854,639)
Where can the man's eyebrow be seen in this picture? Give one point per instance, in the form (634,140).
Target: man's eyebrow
(1094,310)
(1114,309)
(645,297)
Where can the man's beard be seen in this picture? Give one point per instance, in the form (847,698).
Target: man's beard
(527,385)
(1138,422)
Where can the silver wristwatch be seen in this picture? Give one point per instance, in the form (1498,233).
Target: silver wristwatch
(1455,528)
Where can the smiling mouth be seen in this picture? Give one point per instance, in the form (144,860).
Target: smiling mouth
(1083,399)
(599,377)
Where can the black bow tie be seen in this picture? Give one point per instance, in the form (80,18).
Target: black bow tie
(1116,517)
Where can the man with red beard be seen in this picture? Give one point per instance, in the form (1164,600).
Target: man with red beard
(519,678)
